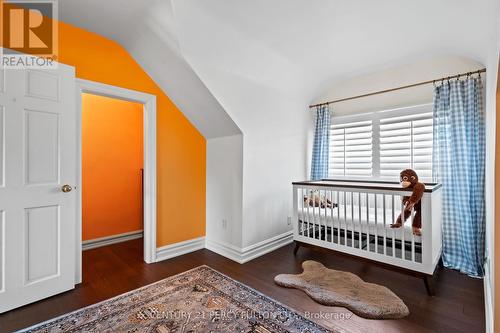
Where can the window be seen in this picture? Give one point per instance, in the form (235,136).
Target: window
(381,144)
(351,149)
(406,142)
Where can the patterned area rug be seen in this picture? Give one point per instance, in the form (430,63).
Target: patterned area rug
(199,300)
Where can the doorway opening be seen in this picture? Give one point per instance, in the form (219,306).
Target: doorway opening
(112,170)
(117,169)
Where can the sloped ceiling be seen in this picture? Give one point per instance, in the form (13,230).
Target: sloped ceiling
(221,60)
(147,30)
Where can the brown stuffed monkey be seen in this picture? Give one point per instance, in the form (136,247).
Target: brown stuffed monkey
(409,179)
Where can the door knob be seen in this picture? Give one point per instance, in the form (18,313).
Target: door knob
(66,188)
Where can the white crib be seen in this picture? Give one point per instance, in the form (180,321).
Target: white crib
(360,225)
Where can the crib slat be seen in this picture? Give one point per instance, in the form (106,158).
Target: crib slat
(304,213)
(317,234)
(311,221)
(376,223)
(341,204)
(384,218)
(325,220)
(352,219)
(393,213)
(403,245)
(314,220)
(412,237)
(367,222)
(309,214)
(331,217)
(336,216)
(301,210)
(320,218)
(325,216)
(345,218)
(337,196)
(360,234)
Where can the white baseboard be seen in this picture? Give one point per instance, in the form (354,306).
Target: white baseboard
(240,255)
(103,241)
(226,250)
(177,249)
(243,255)
(488,299)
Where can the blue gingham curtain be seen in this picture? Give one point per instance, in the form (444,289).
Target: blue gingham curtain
(319,163)
(459,164)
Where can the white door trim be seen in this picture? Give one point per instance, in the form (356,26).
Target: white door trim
(149,102)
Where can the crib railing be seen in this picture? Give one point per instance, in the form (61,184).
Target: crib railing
(355,218)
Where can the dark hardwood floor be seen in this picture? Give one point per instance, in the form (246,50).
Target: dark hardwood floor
(109,271)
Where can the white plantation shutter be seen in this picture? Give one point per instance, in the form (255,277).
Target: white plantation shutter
(381,144)
(406,142)
(351,150)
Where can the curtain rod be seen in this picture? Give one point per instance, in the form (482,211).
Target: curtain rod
(447,78)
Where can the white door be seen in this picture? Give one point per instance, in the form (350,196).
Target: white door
(37,158)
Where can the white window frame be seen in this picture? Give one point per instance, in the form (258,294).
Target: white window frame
(375,118)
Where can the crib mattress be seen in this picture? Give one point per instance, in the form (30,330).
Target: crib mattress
(342,218)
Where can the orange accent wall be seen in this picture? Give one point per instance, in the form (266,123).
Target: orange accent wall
(181,149)
(112,159)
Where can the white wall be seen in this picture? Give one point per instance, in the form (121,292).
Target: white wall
(273,159)
(491,85)
(491,91)
(249,182)
(263,97)
(268,157)
(224,190)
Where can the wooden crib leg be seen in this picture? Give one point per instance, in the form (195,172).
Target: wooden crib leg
(297,246)
(429,285)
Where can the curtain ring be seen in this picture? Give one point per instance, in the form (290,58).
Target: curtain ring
(434,83)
